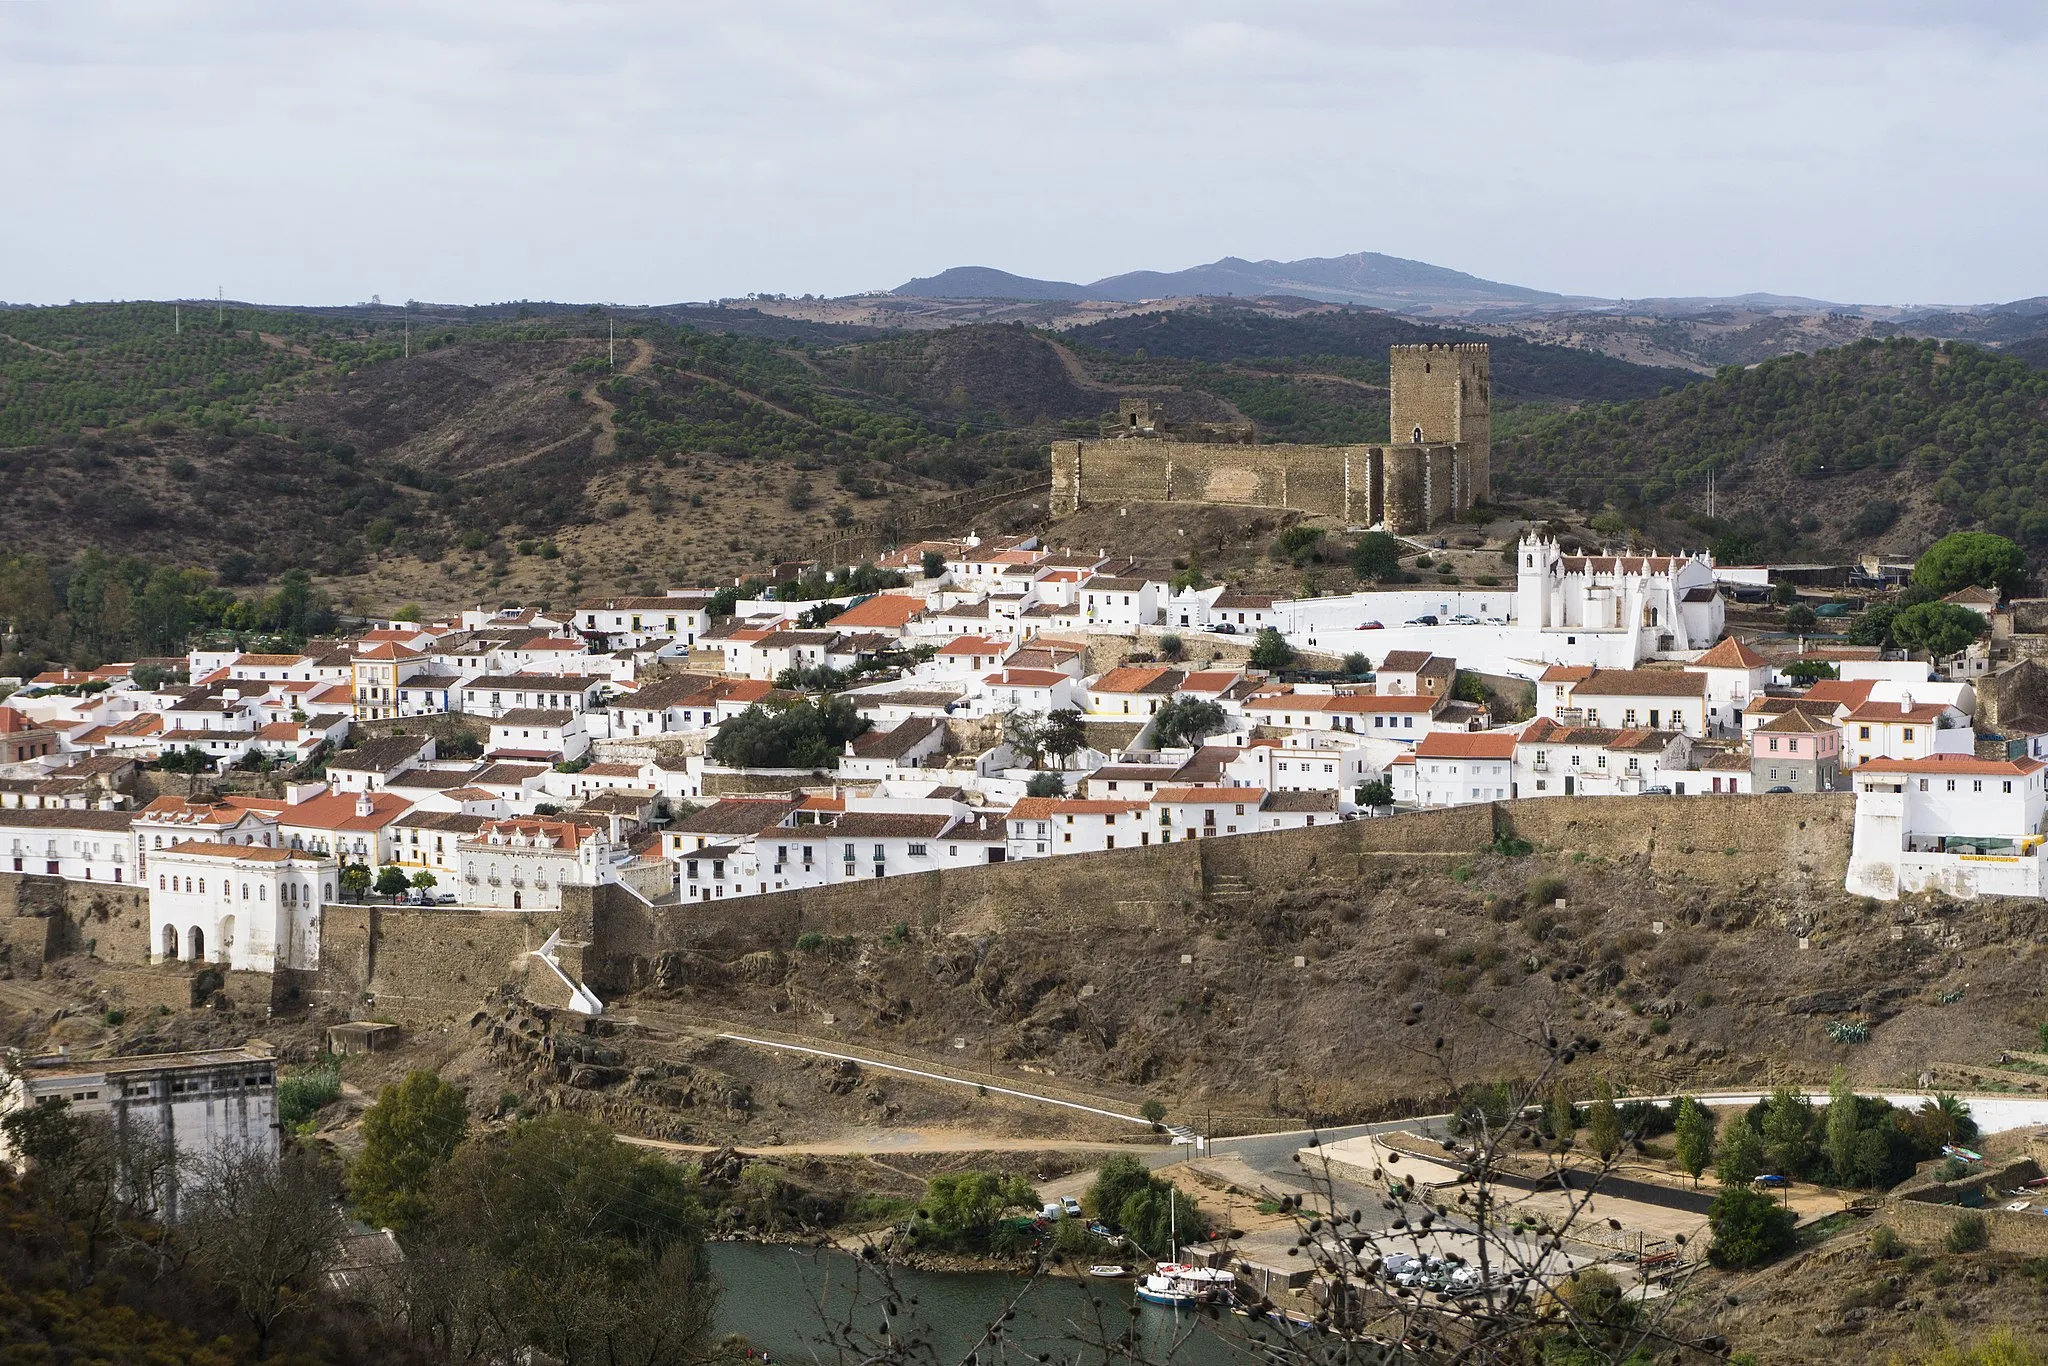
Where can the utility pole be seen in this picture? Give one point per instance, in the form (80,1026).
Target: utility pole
(220,303)
(611,345)
(177,323)
(408,339)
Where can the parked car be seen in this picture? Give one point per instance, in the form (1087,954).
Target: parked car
(1426,619)
(1464,619)
(1370,626)
(1774,791)
(1660,790)
(1224,628)
(445,899)
(1071,1206)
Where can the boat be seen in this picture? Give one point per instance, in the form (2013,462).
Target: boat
(1172,1283)
(1109,1273)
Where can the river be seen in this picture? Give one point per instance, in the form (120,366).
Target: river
(773,1296)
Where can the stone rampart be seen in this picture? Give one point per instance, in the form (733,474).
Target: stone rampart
(1926,1226)
(422,962)
(1794,841)
(43,917)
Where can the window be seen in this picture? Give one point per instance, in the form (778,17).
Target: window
(1976,785)
(1923,784)
(917,851)
(2008,786)
(1951,785)
(1774,744)
(1907,734)
(1862,732)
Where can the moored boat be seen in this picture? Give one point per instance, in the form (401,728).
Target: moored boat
(1172,1283)
(1109,1273)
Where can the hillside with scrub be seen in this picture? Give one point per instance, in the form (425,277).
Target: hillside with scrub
(1878,446)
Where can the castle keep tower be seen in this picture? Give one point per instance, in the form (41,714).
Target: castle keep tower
(1436,463)
(1443,394)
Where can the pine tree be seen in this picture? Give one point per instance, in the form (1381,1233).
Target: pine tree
(1842,1127)
(1694,1130)
(1603,1120)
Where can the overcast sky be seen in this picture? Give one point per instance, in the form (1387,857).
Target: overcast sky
(481,150)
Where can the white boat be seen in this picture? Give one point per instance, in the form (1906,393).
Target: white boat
(1175,1284)
(1109,1273)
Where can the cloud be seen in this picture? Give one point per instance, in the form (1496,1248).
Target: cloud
(471,151)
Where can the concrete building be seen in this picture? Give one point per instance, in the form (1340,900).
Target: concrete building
(193,1104)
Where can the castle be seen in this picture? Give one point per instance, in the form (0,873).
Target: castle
(1436,463)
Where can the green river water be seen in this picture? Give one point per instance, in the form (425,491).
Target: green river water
(773,1295)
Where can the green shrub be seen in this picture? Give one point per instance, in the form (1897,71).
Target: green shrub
(113,1018)
(1544,891)
(1749,1227)
(1885,1242)
(810,943)
(1969,1233)
(303,1094)
(1153,1110)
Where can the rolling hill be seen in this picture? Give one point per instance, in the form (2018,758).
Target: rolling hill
(1875,446)
(1364,277)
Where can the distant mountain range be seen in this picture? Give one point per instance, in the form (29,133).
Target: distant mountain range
(1365,277)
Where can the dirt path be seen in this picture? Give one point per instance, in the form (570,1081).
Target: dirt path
(752,397)
(33,1000)
(608,431)
(279,343)
(1080,376)
(40,350)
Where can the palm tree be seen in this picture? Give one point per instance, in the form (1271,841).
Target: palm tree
(1947,1116)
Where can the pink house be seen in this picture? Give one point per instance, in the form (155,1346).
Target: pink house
(1795,753)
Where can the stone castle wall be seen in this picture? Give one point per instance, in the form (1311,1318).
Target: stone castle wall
(1437,463)
(1410,488)
(421,964)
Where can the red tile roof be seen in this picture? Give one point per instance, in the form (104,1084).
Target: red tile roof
(1452,744)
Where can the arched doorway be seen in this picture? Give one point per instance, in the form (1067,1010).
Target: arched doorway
(170,942)
(227,937)
(198,950)
(1416,439)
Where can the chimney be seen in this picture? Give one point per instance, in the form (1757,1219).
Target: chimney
(1905,702)
(364,805)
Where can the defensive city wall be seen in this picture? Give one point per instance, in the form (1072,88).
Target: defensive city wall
(1436,463)
(416,963)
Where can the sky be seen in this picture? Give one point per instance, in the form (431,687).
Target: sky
(470,151)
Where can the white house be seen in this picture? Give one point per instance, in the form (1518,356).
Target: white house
(1638,699)
(83,846)
(1045,827)
(248,907)
(538,733)
(1455,768)
(1553,760)
(523,863)
(1951,823)
(494,695)
(617,623)
(1735,674)
(1112,604)
(876,753)
(1906,729)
